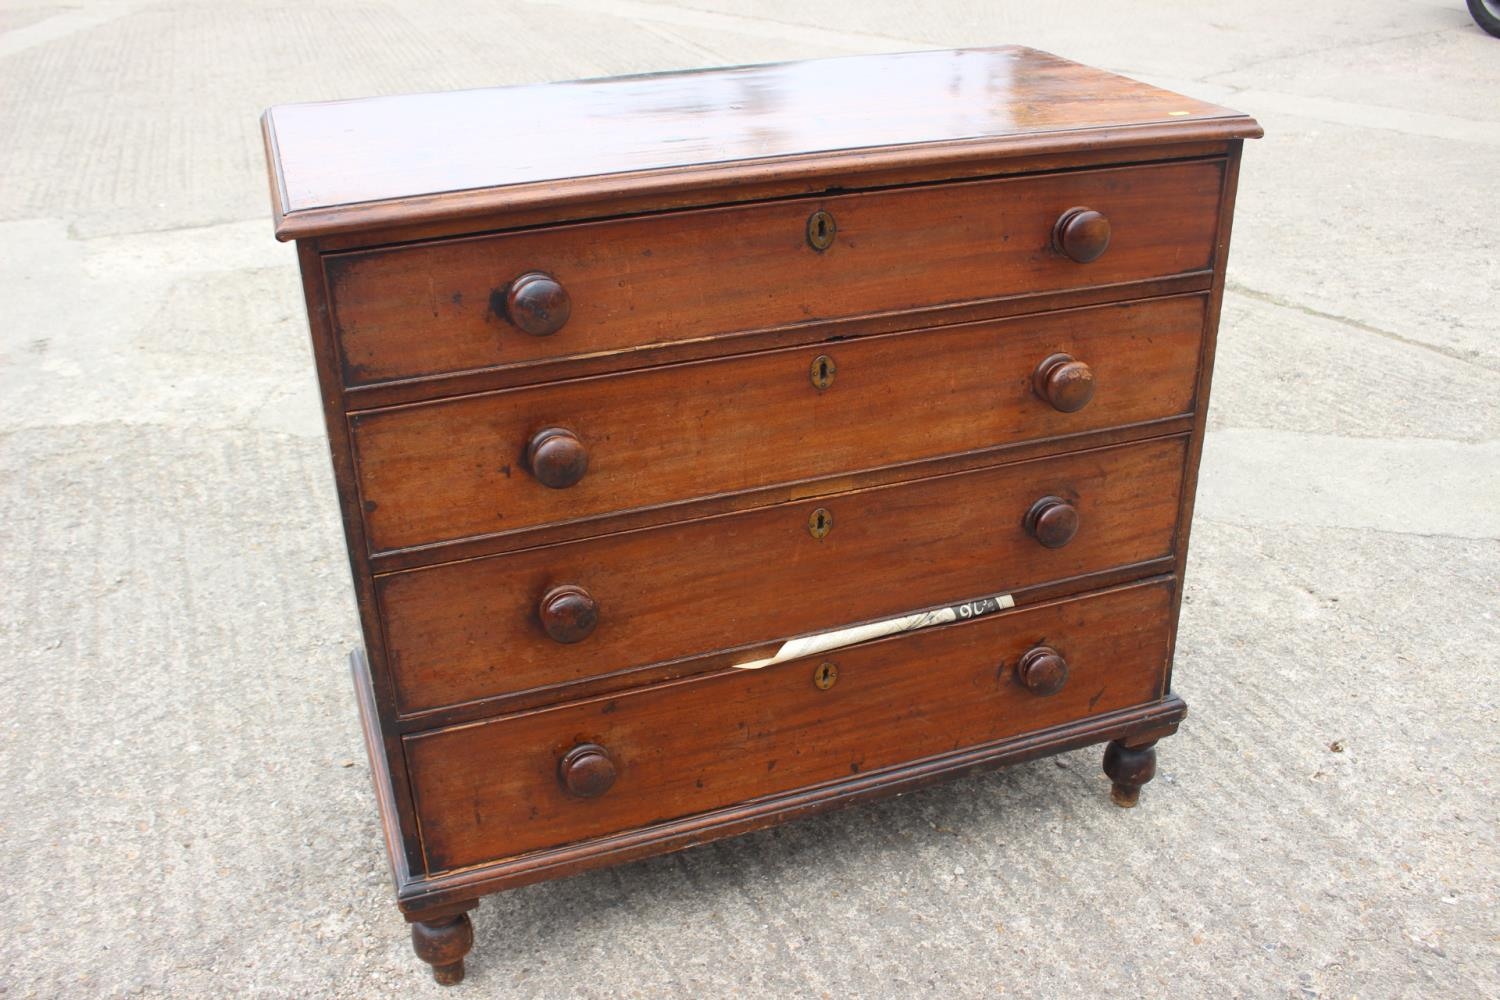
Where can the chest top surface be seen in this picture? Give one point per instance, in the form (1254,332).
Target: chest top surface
(336,165)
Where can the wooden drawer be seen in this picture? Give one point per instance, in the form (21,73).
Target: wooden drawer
(441,307)
(458,468)
(492,790)
(471,630)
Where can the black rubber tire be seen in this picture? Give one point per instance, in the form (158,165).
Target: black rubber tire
(1486,14)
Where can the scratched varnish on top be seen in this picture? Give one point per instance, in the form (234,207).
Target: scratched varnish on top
(399,150)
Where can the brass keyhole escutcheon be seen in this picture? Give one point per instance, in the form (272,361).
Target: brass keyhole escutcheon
(822,371)
(820,230)
(820,522)
(825,676)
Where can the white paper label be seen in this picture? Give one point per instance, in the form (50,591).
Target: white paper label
(824,641)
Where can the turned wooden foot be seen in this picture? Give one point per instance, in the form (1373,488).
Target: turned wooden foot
(1129,768)
(442,943)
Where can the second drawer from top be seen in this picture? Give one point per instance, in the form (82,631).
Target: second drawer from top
(506,461)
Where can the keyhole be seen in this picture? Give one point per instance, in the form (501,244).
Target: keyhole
(825,676)
(820,230)
(822,371)
(820,523)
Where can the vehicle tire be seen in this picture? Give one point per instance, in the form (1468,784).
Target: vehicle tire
(1486,14)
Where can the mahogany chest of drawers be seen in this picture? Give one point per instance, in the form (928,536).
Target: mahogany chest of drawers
(628,382)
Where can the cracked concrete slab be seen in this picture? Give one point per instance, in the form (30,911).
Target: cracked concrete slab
(1281,478)
(185,784)
(1374,226)
(74,356)
(1280,367)
(1137,38)
(1440,70)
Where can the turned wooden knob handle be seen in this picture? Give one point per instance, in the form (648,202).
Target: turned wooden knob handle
(538,304)
(1081,234)
(568,613)
(1052,521)
(557,458)
(587,771)
(1064,381)
(1042,670)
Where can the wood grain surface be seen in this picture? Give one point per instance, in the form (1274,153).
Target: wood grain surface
(470,630)
(440,307)
(456,468)
(491,791)
(375,161)
(699,427)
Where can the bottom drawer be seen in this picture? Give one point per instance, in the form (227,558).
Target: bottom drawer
(497,789)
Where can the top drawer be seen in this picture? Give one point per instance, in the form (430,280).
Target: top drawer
(443,307)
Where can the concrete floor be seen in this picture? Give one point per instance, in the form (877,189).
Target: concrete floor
(185,799)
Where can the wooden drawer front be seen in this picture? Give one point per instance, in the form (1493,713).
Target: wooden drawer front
(471,630)
(491,790)
(440,307)
(457,468)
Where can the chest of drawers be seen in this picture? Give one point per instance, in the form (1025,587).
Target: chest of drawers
(628,382)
